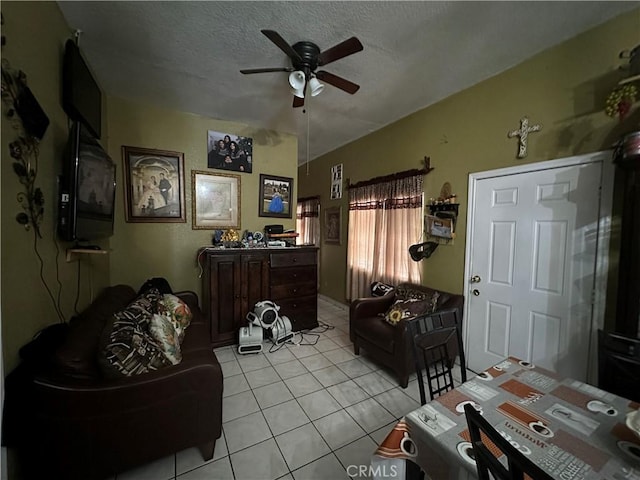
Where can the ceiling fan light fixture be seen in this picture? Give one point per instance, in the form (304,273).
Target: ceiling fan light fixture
(298,92)
(315,86)
(296,80)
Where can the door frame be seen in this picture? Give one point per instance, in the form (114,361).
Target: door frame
(602,243)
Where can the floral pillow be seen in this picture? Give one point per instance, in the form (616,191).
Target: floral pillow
(176,312)
(411,303)
(167,338)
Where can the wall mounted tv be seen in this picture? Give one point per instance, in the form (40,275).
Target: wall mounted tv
(87,189)
(81,96)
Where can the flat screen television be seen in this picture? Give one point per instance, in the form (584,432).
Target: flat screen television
(81,96)
(87,189)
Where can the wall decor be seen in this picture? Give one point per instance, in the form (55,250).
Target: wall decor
(275,196)
(227,151)
(30,123)
(154,185)
(336,182)
(216,200)
(333,225)
(523,133)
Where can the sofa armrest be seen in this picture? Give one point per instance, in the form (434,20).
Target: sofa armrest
(371,306)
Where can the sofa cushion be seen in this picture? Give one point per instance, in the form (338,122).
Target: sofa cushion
(77,355)
(411,303)
(128,348)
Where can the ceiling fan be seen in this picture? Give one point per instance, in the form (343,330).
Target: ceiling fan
(306,57)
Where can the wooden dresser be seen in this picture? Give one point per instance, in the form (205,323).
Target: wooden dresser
(234,280)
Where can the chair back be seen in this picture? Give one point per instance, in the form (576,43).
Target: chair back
(619,364)
(432,337)
(484,439)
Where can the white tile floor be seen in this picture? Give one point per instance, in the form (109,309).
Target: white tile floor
(304,412)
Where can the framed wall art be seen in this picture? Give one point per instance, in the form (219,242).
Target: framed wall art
(154,185)
(216,200)
(332,225)
(227,151)
(275,196)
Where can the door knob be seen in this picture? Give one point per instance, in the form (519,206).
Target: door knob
(476,279)
(475,291)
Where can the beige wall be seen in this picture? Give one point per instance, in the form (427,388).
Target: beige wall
(144,250)
(563,88)
(35,34)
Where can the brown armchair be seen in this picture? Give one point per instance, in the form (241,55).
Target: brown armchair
(389,344)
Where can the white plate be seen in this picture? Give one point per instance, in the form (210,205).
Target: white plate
(631,449)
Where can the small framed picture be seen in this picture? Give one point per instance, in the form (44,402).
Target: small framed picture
(439,227)
(154,185)
(227,151)
(216,200)
(332,225)
(275,196)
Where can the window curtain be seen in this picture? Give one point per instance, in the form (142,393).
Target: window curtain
(308,221)
(384,220)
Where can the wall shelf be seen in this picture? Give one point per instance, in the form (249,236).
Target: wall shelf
(78,251)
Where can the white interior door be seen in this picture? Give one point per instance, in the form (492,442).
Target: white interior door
(531,258)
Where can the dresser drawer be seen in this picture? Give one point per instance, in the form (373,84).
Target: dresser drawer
(292,290)
(290,259)
(302,311)
(293,275)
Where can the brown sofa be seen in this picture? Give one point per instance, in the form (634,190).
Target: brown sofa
(390,344)
(67,418)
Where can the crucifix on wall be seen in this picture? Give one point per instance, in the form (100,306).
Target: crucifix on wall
(523,133)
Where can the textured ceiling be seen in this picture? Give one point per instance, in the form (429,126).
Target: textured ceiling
(187,55)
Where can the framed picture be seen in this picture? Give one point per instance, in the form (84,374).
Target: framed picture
(332,225)
(275,196)
(216,200)
(227,151)
(154,185)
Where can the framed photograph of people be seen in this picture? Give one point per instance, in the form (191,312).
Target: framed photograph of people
(275,196)
(154,185)
(332,225)
(216,200)
(227,151)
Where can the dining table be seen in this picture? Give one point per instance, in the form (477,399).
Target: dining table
(571,429)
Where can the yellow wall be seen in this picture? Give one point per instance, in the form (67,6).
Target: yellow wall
(35,34)
(144,250)
(563,88)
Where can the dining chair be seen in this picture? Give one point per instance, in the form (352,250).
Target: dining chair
(485,439)
(619,364)
(433,337)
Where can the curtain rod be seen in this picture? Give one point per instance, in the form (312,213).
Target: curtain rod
(393,176)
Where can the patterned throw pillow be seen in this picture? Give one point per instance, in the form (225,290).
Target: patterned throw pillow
(411,303)
(167,337)
(129,348)
(176,312)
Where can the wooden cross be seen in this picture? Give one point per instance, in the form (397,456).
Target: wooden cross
(523,133)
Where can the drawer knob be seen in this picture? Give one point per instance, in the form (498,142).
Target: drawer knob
(295,260)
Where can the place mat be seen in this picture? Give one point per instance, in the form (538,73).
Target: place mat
(592,456)
(521,390)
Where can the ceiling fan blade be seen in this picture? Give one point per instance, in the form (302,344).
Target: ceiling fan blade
(298,102)
(282,44)
(341,50)
(336,81)
(265,70)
